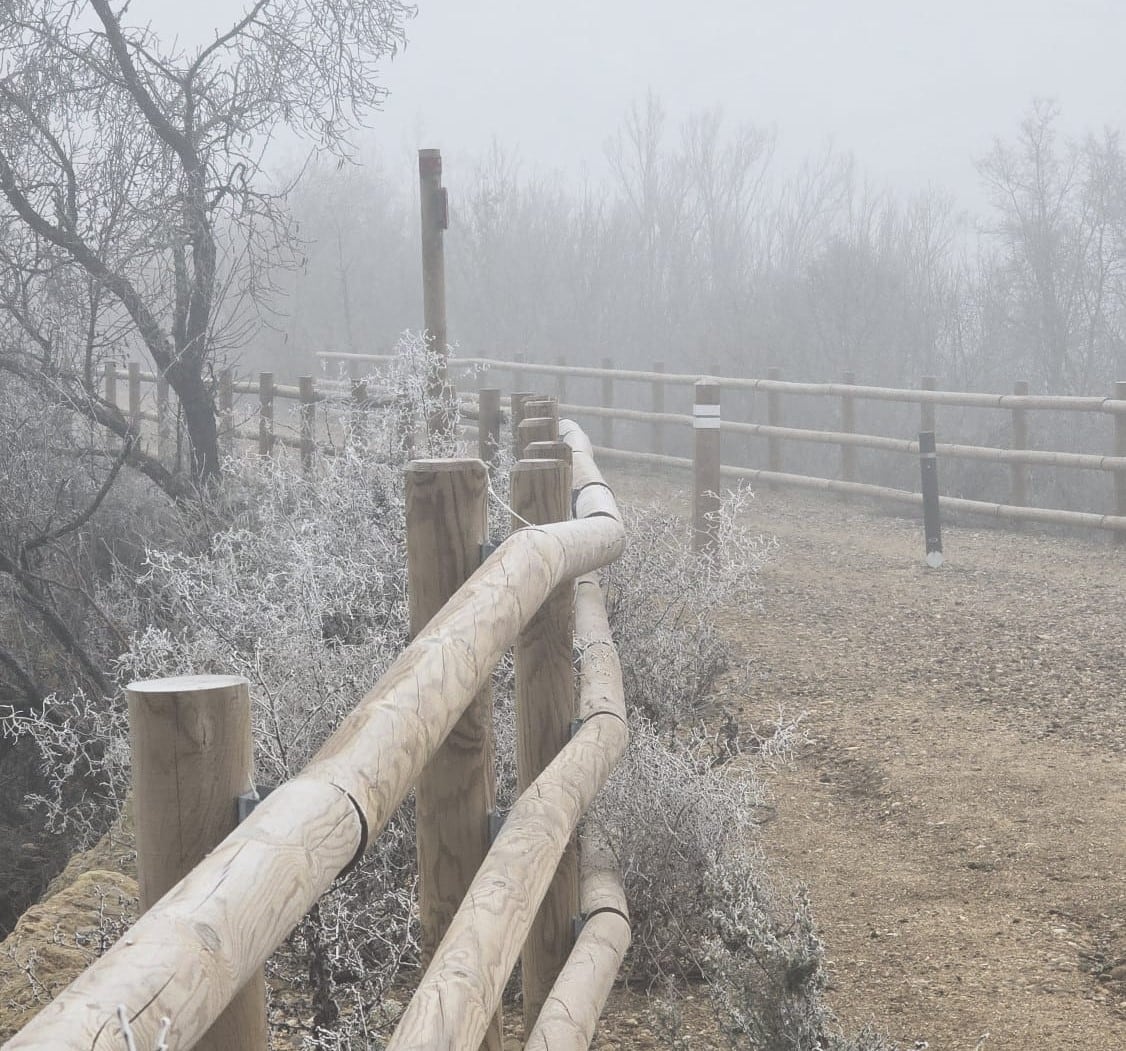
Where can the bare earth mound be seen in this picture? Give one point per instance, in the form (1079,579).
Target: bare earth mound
(958,813)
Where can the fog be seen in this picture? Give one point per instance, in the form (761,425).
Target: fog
(915,90)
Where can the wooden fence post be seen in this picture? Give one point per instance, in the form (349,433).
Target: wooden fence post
(109,383)
(308,399)
(516,404)
(163,419)
(192,759)
(488,424)
(926,408)
(517,372)
(561,381)
(265,414)
(435,220)
(545,708)
(536,429)
(658,389)
(359,407)
(446,527)
(135,397)
(705,463)
(607,403)
(1018,495)
(1120,450)
(848,426)
(932,513)
(227,411)
(774,419)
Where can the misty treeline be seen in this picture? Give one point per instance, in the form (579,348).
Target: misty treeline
(699,250)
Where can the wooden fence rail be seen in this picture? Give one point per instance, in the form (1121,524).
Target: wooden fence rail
(1015,505)
(175,970)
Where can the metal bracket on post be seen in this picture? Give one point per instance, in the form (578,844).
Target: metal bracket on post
(248,801)
(496,823)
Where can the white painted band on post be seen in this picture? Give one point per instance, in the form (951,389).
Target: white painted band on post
(705,417)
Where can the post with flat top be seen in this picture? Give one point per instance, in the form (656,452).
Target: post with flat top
(446,528)
(545,708)
(488,424)
(265,414)
(848,426)
(435,221)
(192,760)
(774,419)
(932,524)
(1018,495)
(706,461)
(227,411)
(308,397)
(658,439)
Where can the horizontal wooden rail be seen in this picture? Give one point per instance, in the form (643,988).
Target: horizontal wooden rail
(1046,515)
(185,959)
(968,399)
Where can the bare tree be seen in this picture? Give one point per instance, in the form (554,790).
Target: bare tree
(140,217)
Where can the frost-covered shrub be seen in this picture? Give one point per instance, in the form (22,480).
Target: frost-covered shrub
(663,600)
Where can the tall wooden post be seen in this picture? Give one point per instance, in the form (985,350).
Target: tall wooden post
(488,424)
(1018,496)
(446,527)
(517,372)
(435,220)
(192,759)
(1120,450)
(774,419)
(848,426)
(265,414)
(545,707)
(658,405)
(932,514)
(308,400)
(227,411)
(135,397)
(561,381)
(706,463)
(608,403)
(926,408)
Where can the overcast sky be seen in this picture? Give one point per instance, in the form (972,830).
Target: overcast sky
(915,89)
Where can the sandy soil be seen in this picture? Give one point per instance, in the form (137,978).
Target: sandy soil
(958,811)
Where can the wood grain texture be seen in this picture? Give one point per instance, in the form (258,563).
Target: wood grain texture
(188,956)
(446,526)
(192,757)
(545,707)
(464,983)
(535,429)
(570,1014)
(201,942)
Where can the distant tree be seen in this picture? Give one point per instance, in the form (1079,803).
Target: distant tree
(139,215)
(1059,243)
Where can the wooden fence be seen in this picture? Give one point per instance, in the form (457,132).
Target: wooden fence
(201,944)
(1014,506)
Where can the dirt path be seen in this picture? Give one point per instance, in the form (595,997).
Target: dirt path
(959,812)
